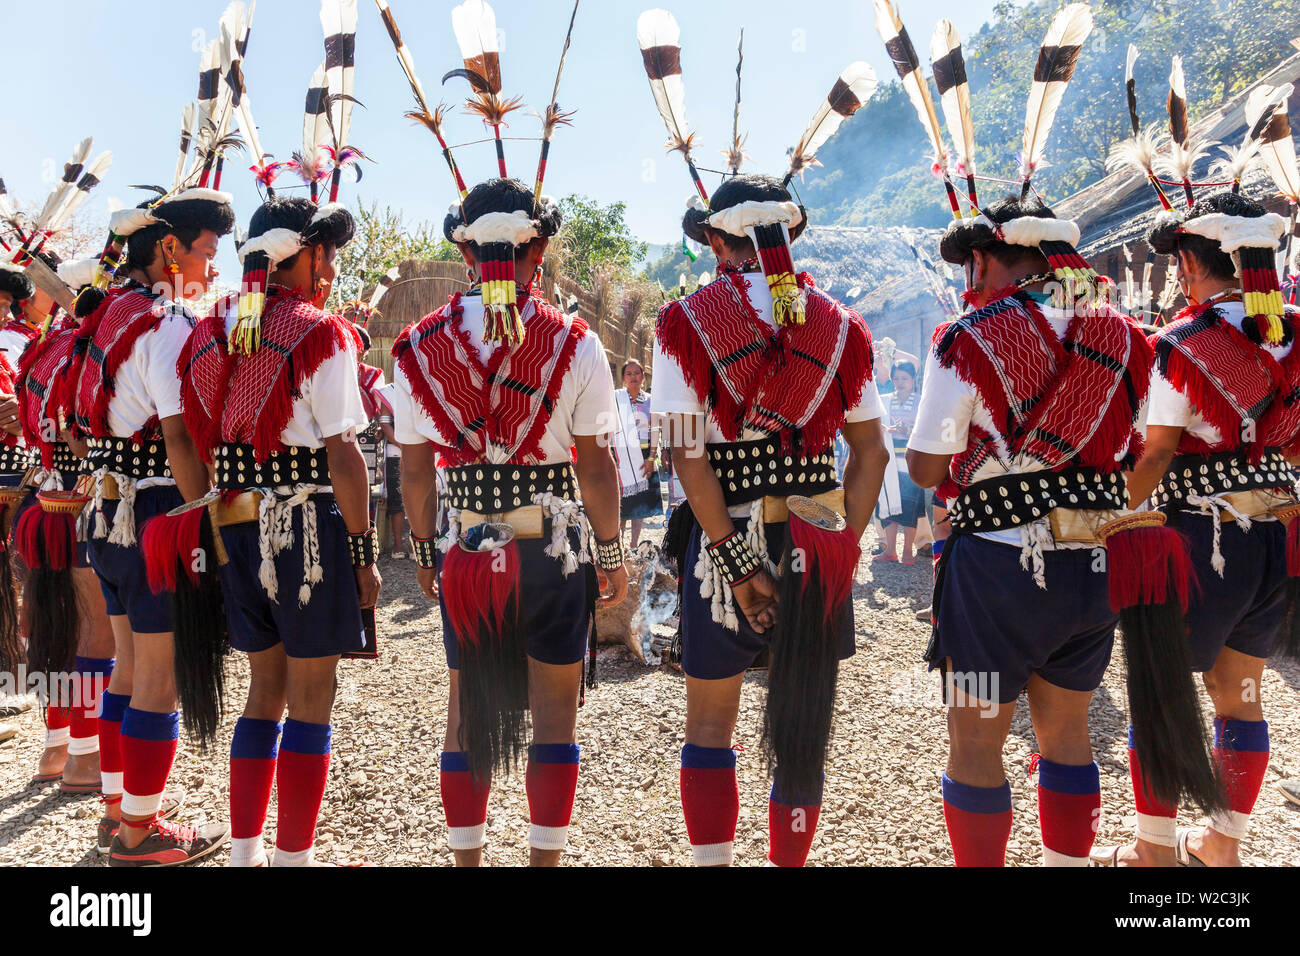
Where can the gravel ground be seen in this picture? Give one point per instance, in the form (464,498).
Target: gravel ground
(882,803)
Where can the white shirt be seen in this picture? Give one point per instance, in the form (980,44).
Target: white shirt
(585,405)
(948,408)
(672,395)
(328,401)
(12,345)
(1170,407)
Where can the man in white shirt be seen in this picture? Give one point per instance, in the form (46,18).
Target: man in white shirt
(516,398)
(752,400)
(129,409)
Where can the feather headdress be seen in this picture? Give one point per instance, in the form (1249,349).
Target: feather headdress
(80,176)
(954,95)
(1057,58)
(475,26)
(554,116)
(854,87)
(1263,106)
(1139,151)
(430,119)
(736,154)
(1184,153)
(312,163)
(1276,145)
(659,38)
(908,66)
(338,19)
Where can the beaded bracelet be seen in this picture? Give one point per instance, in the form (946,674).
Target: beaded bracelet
(426,551)
(609,554)
(734,559)
(364,547)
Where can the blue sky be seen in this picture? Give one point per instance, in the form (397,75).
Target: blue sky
(122,72)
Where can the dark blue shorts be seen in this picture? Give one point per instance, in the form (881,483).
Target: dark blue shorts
(121,571)
(329,624)
(1246,608)
(999,627)
(555,610)
(711,651)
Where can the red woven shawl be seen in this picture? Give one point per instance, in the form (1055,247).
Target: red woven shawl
(798,381)
(506,402)
(248,399)
(1065,402)
(1231,381)
(40,389)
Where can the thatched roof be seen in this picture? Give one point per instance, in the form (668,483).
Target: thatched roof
(861,257)
(421,287)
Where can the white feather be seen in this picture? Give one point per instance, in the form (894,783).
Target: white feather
(475,26)
(1070,28)
(1138,152)
(860,78)
(956,102)
(60,192)
(1279,157)
(656,28)
(187,126)
(77,196)
(890,27)
(315,128)
(340,16)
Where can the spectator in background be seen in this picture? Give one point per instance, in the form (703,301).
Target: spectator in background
(637,452)
(888,355)
(393,482)
(905,508)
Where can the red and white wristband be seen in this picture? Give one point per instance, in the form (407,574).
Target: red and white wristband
(734,559)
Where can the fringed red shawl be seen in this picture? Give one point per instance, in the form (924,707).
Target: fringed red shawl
(7,386)
(796,381)
(248,399)
(1064,402)
(506,403)
(40,389)
(367,376)
(1231,381)
(105,341)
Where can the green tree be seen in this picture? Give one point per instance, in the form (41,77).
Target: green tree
(672,262)
(382,240)
(596,235)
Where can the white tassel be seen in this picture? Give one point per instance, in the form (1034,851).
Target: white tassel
(312,572)
(265,525)
(453,531)
(1033,537)
(1211,505)
(123,532)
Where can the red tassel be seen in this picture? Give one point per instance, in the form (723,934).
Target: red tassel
(169,543)
(45,539)
(830,559)
(1144,564)
(478,588)
(1293,548)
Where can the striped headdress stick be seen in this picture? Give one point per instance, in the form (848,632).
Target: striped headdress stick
(554,117)
(736,154)
(339,20)
(954,96)
(383,285)
(851,90)
(1139,151)
(1183,153)
(263,171)
(312,161)
(659,37)
(212,138)
(1057,58)
(475,26)
(209,85)
(88,180)
(429,119)
(188,115)
(235,28)
(908,66)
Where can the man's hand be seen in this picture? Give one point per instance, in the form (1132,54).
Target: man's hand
(647,468)
(756,598)
(9,415)
(428,581)
(368,584)
(613,586)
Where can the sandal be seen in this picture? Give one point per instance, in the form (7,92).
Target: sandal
(1105,857)
(883,558)
(47,777)
(66,787)
(1185,856)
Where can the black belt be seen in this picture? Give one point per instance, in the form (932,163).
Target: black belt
(238,469)
(1220,474)
(16,461)
(122,456)
(748,470)
(493,489)
(1008,501)
(65,461)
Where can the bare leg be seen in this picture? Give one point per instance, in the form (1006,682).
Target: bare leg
(909,535)
(637,525)
(889,542)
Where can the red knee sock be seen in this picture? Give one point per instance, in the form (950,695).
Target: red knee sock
(551,780)
(710,802)
(1069,810)
(302,770)
(464,802)
(1156,823)
(57,721)
(791,826)
(112,707)
(90,679)
(1241,747)
(148,746)
(979,822)
(252,775)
